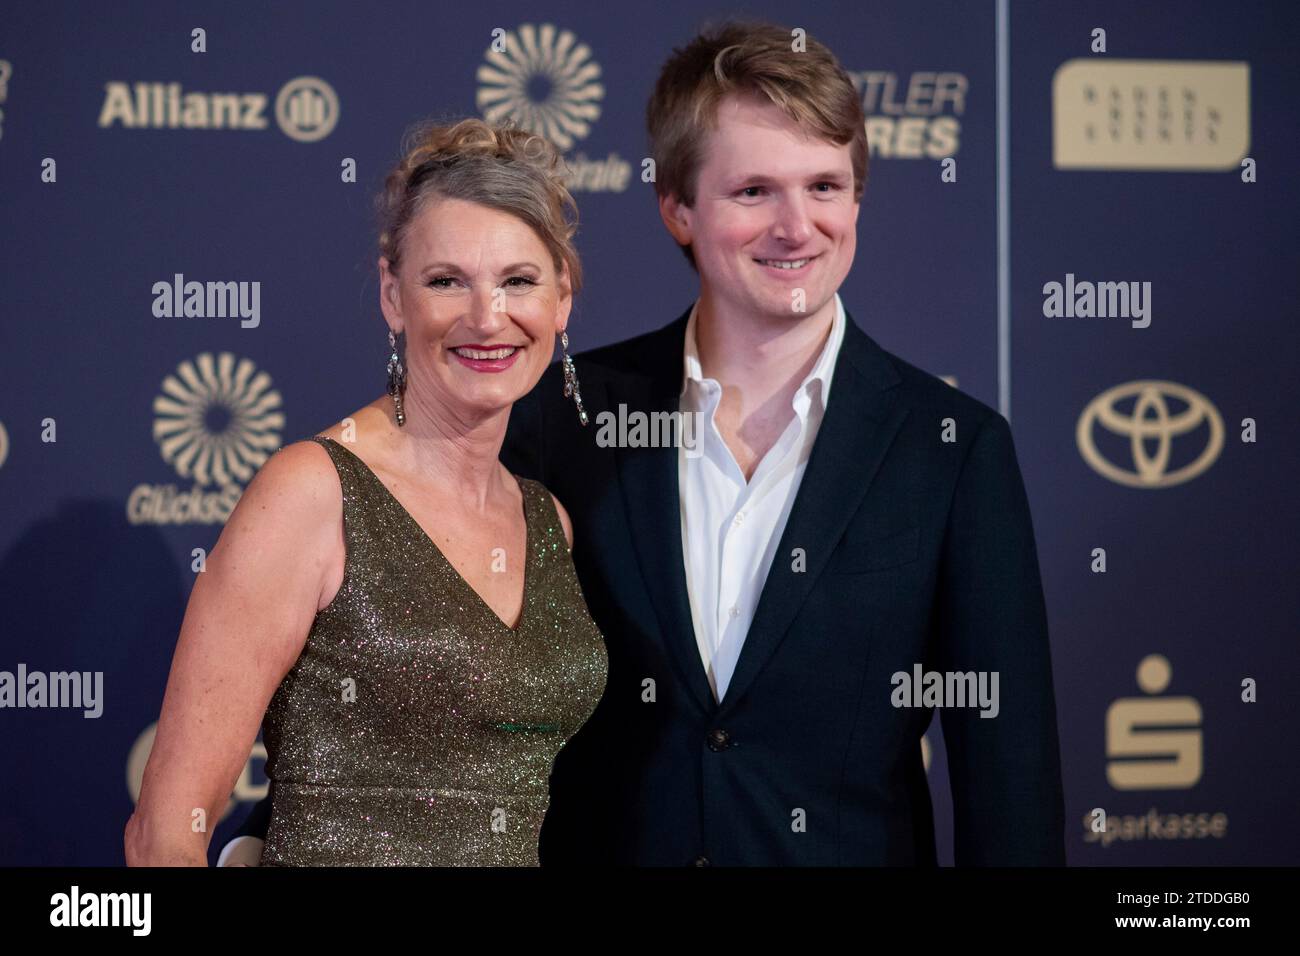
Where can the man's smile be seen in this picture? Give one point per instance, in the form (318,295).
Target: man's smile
(788,267)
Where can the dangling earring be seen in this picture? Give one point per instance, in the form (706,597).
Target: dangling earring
(396,379)
(571,378)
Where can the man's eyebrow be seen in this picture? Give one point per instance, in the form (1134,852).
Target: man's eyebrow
(832,175)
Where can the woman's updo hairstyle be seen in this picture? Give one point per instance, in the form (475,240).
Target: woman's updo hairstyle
(498,166)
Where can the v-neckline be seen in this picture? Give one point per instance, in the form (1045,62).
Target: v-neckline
(528,542)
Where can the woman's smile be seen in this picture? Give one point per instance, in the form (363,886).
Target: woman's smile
(487,358)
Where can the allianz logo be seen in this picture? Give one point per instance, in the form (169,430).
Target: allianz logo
(306,108)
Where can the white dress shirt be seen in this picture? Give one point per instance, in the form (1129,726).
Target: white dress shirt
(730,527)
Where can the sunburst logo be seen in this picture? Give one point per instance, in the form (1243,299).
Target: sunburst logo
(218,419)
(544,79)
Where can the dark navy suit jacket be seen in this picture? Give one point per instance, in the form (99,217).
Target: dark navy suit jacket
(901,549)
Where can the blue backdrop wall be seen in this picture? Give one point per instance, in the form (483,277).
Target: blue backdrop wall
(1154,154)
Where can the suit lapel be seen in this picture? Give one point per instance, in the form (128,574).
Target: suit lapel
(648,477)
(861,420)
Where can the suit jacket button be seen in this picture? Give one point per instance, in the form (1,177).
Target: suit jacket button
(701,861)
(719,740)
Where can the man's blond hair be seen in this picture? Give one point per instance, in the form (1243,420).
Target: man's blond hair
(748,58)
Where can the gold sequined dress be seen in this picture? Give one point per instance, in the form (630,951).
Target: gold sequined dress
(416,728)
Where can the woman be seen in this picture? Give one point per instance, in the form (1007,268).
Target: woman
(395,603)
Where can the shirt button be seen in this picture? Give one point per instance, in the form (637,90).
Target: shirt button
(740,519)
(734,611)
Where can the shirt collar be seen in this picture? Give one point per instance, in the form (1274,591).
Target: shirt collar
(822,371)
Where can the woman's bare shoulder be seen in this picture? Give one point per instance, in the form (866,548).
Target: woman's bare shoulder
(306,467)
(366,426)
(301,466)
(296,488)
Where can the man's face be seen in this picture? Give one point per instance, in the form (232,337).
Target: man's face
(774,213)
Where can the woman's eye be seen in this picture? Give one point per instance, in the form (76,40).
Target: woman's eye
(514,282)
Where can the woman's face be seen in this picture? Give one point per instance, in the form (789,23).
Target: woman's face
(480,301)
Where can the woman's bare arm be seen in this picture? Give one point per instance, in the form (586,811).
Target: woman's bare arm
(247,621)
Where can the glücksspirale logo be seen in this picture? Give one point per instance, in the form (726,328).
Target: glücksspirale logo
(545,80)
(217,419)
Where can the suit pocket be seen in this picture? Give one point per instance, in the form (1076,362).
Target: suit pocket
(876,554)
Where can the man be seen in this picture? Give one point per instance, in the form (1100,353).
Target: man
(841,518)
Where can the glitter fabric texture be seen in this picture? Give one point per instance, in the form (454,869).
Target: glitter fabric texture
(416,729)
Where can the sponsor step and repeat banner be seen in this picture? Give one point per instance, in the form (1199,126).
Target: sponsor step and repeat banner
(1081,214)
